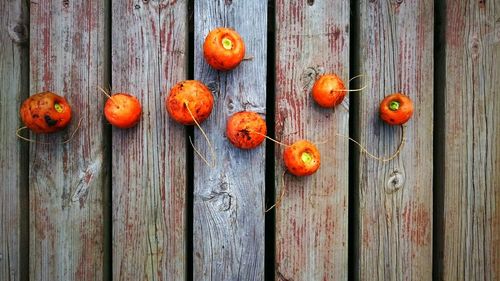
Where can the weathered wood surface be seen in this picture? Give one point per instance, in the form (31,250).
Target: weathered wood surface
(229,199)
(149,41)
(312,37)
(471,106)
(395,198)
(13,160)
(67,182)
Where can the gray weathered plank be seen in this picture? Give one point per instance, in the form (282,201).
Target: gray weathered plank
(13,160)
(149,40)
(395,198)
(312,37)
(228,200)
(68,55)
(471,108)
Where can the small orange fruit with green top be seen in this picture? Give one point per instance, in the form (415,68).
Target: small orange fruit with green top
(302,158)
(189,99)
(246,129)
(396,109)
(223,49)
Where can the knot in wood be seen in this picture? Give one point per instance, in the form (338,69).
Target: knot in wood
(230,105)
(475,47)
(309,75)
(213,86)
(228,2)
(310,2)
(395,182)
(221,199)
(18,33)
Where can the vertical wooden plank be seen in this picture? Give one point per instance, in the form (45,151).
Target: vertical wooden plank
(13,165)
(395,208)
(312,37)
(149,169)
(68,55)
(472,141)
(228,199)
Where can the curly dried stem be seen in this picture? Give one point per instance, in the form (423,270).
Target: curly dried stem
(269,138)
(378,158)
(18,134)
(282,194)
(212,151)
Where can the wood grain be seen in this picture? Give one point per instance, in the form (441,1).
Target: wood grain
(68,55)
(149,40)
(312,38)
(13,161)
(395,198)
(472,141)
(229,199)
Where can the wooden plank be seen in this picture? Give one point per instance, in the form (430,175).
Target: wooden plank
(312,37)
(149,40)
(13,165)
(395,198)
(229,199)
(471,223)
(68,55)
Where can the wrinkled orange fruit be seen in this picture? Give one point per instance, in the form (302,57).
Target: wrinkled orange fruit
(190,94)
(246,129)
(45,112)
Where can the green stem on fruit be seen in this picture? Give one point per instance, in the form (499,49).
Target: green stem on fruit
(227,43)
(58,107)
(394,105)
(306,157)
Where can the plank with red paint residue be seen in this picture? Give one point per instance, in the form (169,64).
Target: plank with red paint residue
(311,223)
(68,182)
(395,197)
(228,199)
(13,165)
(149,40)
(470,173)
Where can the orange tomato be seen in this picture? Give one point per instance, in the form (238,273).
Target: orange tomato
(122,110)
(396,109)
(190,94)
(45,112)
(302,158)
(246,129)
(223,49)
(328,90)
